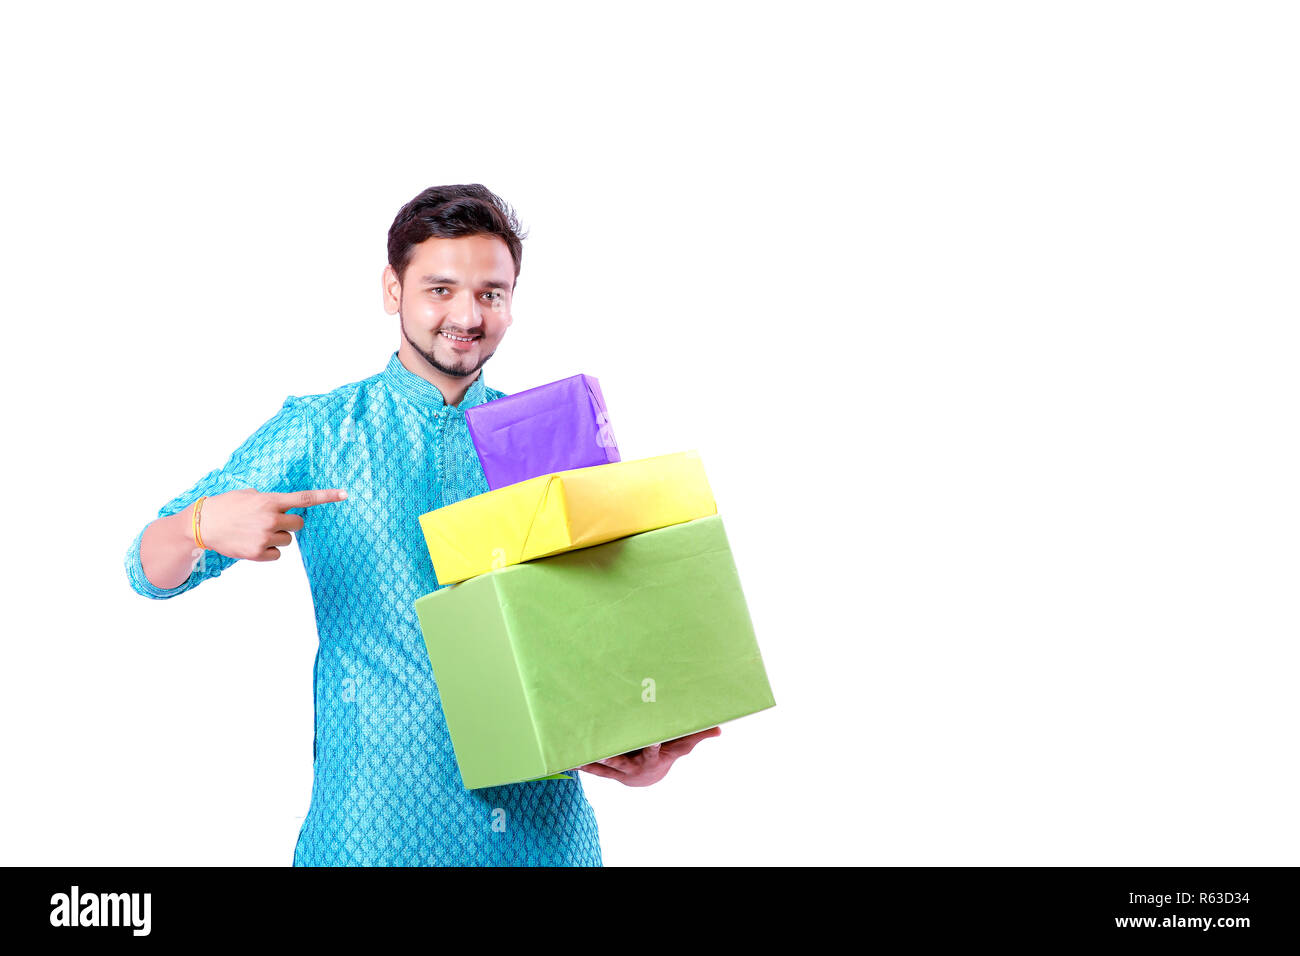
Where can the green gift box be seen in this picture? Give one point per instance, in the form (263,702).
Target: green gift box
(561,661)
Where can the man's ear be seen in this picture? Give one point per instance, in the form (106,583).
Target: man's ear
(391,288)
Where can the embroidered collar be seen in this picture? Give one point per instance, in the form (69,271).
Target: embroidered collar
(423,392)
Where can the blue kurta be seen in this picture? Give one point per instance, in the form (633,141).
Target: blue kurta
(386,789)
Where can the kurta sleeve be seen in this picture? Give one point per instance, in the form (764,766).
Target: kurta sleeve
(276,457)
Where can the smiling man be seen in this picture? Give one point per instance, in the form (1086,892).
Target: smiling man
(350,471)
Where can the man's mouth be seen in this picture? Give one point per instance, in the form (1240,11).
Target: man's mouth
(459,341)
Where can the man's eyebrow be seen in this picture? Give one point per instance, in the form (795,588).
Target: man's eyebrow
(448,280)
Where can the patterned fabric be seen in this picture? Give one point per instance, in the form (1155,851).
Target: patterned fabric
(386,789)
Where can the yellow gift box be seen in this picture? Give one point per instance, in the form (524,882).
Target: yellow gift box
(564,511)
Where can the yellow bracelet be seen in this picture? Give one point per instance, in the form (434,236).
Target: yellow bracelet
(198,506)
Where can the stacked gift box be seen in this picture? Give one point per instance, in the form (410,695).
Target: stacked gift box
(596,607)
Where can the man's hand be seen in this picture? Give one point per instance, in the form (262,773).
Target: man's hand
(252,525)
(244,523)
(640,768)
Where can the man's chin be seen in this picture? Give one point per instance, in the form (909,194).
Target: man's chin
(454,365)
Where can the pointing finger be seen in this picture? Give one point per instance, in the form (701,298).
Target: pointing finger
(305,499)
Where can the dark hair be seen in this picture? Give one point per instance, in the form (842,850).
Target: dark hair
(450,212)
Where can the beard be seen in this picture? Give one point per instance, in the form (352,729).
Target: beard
(453,365)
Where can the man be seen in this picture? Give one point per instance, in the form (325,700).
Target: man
(350,471)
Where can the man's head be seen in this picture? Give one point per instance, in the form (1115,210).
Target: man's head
(454,254)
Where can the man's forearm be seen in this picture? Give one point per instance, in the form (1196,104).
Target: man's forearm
(167,549)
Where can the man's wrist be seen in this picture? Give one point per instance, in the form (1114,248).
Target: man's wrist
(182,533)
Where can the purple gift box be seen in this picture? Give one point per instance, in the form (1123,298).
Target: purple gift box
(549,428)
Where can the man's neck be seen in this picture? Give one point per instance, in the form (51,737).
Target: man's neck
(453,388)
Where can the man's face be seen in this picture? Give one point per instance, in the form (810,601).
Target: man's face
(454,289)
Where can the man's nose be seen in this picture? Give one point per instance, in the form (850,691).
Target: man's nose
(466,311)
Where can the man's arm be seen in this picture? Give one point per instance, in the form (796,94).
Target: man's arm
(168,552)
(237,520)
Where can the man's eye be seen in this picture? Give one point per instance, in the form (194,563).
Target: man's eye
(495,295)
(440,288)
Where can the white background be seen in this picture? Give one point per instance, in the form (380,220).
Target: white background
(982,317)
